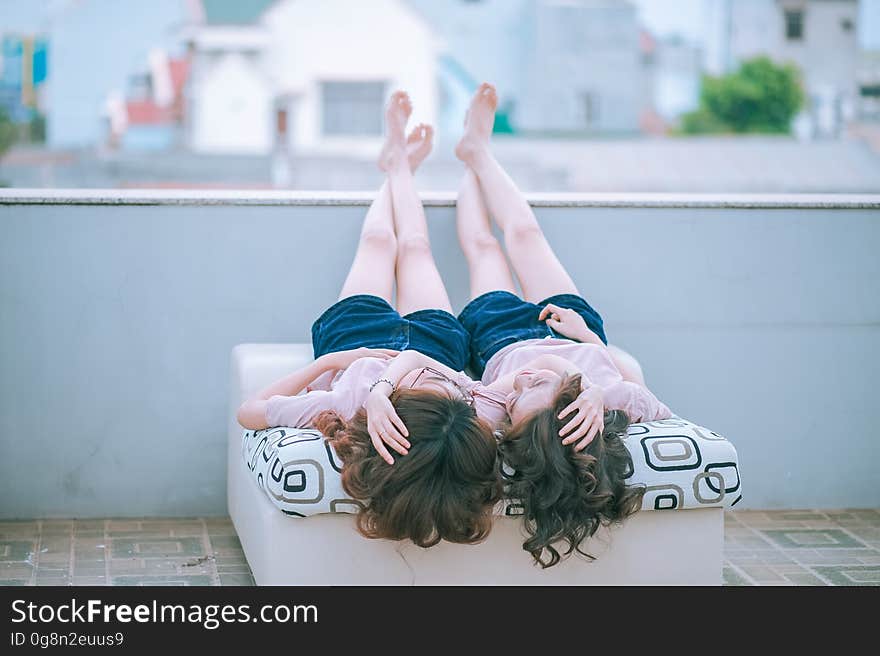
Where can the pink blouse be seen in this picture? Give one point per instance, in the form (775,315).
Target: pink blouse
(347,390)
(594,361)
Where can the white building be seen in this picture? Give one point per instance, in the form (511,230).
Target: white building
(305,75)
(820,36)
(561,66)
(676,66)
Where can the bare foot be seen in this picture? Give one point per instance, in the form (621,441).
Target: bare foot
(418,146)
(478,124)
(396,115)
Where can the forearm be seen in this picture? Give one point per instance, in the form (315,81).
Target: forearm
(294,383)
(639,403)
(408,361)
(587,336)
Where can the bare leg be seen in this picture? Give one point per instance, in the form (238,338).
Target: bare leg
(372,270)
(539,270)
(419,285)
(486,261)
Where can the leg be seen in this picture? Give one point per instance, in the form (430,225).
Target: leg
(539,270)
(372,270)
(486,261)
(419,285)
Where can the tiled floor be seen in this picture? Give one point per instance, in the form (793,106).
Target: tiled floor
(780,547)
(122,552)
(802,547)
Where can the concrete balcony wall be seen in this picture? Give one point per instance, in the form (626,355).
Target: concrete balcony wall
(758,317)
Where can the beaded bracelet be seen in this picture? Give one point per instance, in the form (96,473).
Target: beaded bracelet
(382,380)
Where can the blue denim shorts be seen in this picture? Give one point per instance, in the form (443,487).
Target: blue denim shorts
(497,319)
(370,321)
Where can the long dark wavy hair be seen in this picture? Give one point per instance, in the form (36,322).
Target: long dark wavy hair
(566,495)
(443,489)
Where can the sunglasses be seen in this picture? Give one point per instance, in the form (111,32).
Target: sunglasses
(429,374)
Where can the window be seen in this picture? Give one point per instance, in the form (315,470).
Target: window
(352,108)
(794,24)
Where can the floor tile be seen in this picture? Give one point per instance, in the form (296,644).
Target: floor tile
(762,574)
(852,575)
(732,577)
(162,580)
(237,579)
(811,538)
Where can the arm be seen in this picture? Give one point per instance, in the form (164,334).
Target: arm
(408,361)
(637,401)
(566,321)
(383,422)
(252,413)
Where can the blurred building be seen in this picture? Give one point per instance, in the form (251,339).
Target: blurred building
(676,68)
(23,72)
(572,67)
(820,36)
(304,75)
(96,45)
(150,116)
(868,77)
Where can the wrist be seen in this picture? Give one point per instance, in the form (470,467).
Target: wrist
(382,386)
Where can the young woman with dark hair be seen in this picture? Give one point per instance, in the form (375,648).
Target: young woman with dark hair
(547,355)
(446,486)
(564,457)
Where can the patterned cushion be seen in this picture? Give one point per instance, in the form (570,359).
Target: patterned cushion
(683,466)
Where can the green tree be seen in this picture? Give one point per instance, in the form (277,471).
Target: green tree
(8,132)
(760,97)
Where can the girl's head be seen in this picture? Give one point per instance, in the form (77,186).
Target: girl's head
(566,495)
(443,489)
(532,391)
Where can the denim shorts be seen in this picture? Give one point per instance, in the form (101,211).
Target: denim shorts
(370,321)
(497,319)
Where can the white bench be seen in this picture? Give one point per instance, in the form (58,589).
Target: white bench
(662,547)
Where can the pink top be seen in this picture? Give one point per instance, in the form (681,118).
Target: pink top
(347,390)
(595,363)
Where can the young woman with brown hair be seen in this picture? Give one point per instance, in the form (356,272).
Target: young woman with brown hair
(547,355)
(446,486)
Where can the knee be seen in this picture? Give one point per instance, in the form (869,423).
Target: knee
(414,246)
(380,240)
(482,245)
(524,233)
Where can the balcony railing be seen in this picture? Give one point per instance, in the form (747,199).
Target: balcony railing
(756,316)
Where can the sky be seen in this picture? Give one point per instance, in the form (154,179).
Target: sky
(687,17)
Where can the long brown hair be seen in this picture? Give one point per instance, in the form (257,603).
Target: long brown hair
(443,489)
(566,495)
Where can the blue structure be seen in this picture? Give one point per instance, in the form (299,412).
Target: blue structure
(25,66)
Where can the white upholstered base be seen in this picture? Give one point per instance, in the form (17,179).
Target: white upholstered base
(681,547)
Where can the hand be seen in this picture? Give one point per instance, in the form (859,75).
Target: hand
(343,359)
(385,426)
(566,321)
(589,420)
